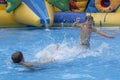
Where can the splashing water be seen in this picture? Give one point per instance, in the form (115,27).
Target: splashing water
(46,26)
(94,52)
(63,52)
(71,62)
(62,24)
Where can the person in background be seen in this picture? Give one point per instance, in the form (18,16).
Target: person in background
(86,29)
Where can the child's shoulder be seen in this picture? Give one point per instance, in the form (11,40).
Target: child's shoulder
(82,24)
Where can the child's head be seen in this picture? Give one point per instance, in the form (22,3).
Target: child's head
(17,57)
(89,18)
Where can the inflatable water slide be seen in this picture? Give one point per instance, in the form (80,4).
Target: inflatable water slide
(26,12)
(41,12)
(105,12)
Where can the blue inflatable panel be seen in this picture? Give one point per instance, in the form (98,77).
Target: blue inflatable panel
(39,8)
(68,17)
(3,2)
(91,7)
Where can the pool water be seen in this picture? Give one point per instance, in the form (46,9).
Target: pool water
(100,62)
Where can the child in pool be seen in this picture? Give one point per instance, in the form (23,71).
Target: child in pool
(86,29)
(18,58)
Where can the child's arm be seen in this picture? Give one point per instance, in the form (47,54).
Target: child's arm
(76,24)
(102,33)
(28,65)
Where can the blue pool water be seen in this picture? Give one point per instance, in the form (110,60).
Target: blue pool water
(101,62)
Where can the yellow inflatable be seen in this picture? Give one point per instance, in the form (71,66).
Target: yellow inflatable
(28,17)
(6,19)
(81,4)
(23,15)
(3,6)
(106,19)
(118,11)
(102,7)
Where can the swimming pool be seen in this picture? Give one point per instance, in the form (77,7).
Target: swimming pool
(101,62)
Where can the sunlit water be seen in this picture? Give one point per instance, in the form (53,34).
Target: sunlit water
(100,62)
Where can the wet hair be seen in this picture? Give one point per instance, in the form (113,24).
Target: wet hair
(17,57)
(89,17)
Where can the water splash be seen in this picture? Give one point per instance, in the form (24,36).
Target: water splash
(62,24)
(46,26)
(94,52)
(64,52)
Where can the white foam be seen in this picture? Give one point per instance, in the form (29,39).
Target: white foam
(58,52)
(47,29)
(94,52)
(67,53)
